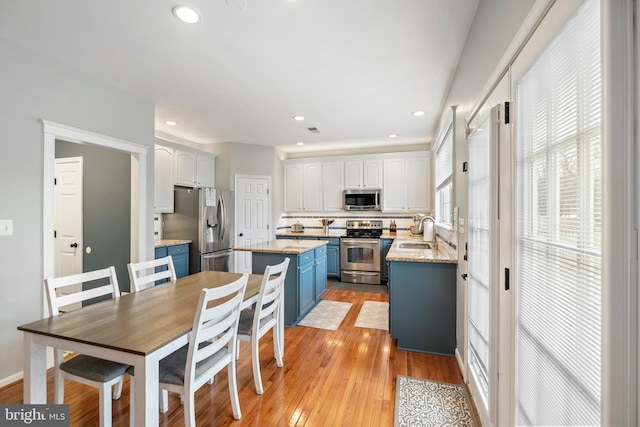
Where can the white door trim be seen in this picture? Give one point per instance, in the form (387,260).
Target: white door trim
(53,131)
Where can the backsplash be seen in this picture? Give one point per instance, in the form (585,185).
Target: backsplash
(312,221)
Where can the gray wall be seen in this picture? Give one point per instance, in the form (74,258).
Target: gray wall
(35,88)
(106,207)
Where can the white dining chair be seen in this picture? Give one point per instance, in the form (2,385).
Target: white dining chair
(145,274)
(266,315)
(212,346)
(63,292)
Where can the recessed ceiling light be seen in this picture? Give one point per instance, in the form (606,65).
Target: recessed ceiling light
(393,135)
(171,123)
(298,118)
(299,143)
(418,113)
(186,14)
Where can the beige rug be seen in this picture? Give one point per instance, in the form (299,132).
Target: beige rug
(374,314)
(326,315)
(431,403)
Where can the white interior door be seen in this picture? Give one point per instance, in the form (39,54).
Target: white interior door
(253,207)
(68,216)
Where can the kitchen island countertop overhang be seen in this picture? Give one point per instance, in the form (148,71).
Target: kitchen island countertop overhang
(293,247)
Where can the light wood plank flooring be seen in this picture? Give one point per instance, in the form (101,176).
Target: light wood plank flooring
(330,378)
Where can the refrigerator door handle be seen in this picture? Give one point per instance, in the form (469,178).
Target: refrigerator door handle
(222,218)
(219,254)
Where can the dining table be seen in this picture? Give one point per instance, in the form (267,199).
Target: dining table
(137,329)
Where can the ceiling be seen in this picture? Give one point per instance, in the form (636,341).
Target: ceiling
(355,69)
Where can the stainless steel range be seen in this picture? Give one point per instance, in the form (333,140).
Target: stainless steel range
(360,252)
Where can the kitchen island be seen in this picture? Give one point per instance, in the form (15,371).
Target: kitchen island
(306,279)
(422,296)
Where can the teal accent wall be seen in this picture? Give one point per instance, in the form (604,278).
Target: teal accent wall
(106,207)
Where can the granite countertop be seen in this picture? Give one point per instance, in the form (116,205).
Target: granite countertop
(170,242)
(442,254)
(283,246)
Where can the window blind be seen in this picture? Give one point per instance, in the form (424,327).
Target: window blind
(558,226)
(444,178)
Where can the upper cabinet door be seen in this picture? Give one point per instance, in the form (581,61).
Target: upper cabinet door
(293,187)
(418,170)
(353,174)
(394,193)
(163,179)
(185,168)
(372,174)
(312,187)
(205,170)
(332,185)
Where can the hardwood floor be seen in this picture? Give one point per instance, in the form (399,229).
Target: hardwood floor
(330,378)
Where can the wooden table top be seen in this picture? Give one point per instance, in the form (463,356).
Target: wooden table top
(141,322)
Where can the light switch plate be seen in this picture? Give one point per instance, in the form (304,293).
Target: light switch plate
(6,227)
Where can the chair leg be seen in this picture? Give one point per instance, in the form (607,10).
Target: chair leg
(105,406)
(237,349)
(117,389)
(189,408)
(132,401)
(59,387)
(255,361)
(233,389)
(164,400)
(278,345)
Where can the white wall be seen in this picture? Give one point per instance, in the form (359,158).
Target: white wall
(35,88)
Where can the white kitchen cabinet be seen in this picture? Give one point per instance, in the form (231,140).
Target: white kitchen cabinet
(312,187)
(194,169)
(407,184)
(293,187)
(360,174)
(163,179)
(303,187)
(332,185)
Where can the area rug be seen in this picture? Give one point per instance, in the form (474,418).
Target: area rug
(431,403)
(326,315)
(374,314)
(359,287)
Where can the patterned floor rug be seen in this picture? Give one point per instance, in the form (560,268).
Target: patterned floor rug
(326,315)
(374,314)
(431,403)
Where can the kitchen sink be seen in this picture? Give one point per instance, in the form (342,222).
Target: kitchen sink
(416,245)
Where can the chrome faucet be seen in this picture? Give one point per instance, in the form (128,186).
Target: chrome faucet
(421,226)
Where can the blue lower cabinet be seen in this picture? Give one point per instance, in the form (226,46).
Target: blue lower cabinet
(179,255)
(422,306)
(305,281)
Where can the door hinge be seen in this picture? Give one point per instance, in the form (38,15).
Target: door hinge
(55,181)
(506,279)
(55,234)
(267,191)
(464,276)
(267,226)
(465,166)
(506,113)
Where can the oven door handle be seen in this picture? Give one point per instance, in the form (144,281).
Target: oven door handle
(360,273)
(359,241)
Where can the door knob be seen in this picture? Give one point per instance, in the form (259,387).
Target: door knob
(241,234)
(74,245)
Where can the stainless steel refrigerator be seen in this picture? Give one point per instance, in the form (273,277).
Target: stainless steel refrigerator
(202,215)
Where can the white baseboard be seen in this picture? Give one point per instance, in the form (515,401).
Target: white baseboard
(463,371)
(11,379)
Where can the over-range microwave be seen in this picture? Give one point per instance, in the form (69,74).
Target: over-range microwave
(361,200)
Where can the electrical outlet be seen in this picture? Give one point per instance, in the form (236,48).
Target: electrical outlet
(6,227)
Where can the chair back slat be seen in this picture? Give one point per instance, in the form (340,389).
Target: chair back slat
(143,274)
(57,287)
(269,299)
(215,325)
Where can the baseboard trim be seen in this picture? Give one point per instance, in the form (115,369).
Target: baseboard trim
(11,379)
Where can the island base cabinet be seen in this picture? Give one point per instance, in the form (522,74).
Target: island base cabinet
(422,306)
(307,271)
